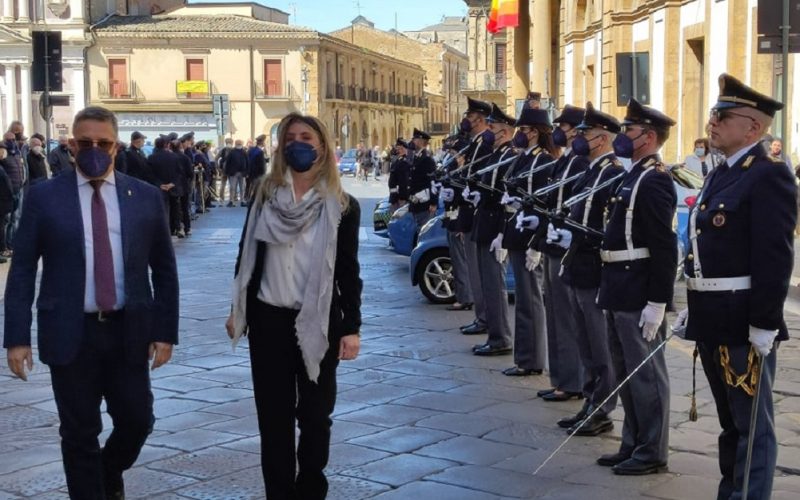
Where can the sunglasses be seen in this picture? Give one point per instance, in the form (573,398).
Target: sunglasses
(89,144)
(720,115)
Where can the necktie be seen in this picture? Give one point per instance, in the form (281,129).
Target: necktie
(105,289)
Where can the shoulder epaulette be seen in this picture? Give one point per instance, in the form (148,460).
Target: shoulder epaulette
(536,150)
(747,162)
(650,163)
(606,161)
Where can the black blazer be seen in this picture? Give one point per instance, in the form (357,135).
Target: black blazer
(345,317)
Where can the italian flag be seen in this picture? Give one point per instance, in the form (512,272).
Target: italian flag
(504,14)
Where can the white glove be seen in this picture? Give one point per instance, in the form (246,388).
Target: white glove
(560,237)
(496,243)
(412,198)
(679,327)
(532,258)
(651,319)
(466,193)
(435,187)
(422,196)
(448,194)
(474,198)
(527,221)
(762,339)
(513,201)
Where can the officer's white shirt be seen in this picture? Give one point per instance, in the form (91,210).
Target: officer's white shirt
(286,270)
(108,190)
(732,159)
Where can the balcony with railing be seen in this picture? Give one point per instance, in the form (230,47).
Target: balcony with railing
(194,90)
(275,91)
(439,127)
(120,90)
(340,91)
(351,92)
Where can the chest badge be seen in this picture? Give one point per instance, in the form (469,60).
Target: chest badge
(719,219)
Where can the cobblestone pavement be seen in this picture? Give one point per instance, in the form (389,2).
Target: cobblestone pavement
(418,416)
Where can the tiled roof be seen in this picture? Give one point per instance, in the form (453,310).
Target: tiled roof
(193,25)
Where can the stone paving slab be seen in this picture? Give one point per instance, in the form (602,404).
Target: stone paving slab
(417,415)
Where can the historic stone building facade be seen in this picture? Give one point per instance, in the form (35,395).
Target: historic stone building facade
(444,68)
(159,74)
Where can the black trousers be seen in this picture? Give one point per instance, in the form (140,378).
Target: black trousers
(101,371)
(285,397)
(185,212)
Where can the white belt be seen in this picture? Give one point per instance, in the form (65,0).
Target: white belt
(718,284)
(451,214)
(394,190)
(609,256)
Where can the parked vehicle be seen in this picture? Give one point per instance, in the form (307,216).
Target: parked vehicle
(687,186)
(347,164)
(381,216)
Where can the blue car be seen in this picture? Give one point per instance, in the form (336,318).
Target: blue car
(347,163)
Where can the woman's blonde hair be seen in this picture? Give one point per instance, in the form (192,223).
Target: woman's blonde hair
(327,173)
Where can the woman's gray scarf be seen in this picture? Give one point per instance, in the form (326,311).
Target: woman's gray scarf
(280,221)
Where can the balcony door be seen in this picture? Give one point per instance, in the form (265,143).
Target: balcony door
(195,71)
(273,77)
(118,78)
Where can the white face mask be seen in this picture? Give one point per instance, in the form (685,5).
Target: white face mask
(699,152)
(37,149)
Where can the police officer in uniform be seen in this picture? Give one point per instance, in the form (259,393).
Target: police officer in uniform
(738,269)
(487,224)
(534,137)
(399,174)
(581,268)
(566,370)
(423,203)
(640,256)
(474,158)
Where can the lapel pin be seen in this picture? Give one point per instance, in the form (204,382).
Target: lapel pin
(130,193)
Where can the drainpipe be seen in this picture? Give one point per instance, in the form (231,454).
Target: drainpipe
(252,97)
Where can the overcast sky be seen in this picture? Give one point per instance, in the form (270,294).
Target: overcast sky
(329,15)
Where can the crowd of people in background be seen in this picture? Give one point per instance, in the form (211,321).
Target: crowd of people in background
(193,175)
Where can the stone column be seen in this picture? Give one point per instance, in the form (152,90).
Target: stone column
(542,77)
(22,10)
(11,96)
(76,10)
(78,88)
(25,97)
(8,11)
(519,51)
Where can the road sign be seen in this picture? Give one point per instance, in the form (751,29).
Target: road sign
(222,112)
(770,23)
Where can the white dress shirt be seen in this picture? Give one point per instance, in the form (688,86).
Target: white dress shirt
(108,191)
(286,269)
(732,159)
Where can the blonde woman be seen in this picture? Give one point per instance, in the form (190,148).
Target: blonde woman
(297,295)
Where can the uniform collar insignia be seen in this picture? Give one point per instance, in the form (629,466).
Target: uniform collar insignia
(748,161)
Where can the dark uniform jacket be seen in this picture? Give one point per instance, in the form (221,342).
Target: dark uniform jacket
(629,285)
(566,166)
(399,176)
(481,146)
(165,168)
(6,194)
(746,215)
(490,214)
(37,168)
(60,160)
(138,166)
(422,170)
(186,175)
(582,262)
(513,238)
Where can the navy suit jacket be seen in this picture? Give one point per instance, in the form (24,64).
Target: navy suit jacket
(51,227)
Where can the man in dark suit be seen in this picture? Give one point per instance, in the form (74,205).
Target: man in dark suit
(100,316)
(165,167)
(137,161)
(738,270)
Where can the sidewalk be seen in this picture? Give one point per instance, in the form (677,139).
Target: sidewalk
(417,416)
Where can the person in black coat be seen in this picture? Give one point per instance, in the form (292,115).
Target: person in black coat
(36,162)
(237,166)
(297,295)
(423,202)
(186,183)
(165,167)
(6,201)
(60,159)
(399,176)
(738,272)
(582,265)
(640,257)
(258,165)
(136,160)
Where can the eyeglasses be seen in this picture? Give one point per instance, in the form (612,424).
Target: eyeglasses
(89,144)
(720,115)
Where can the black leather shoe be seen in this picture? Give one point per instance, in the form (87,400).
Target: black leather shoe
(567,422)
(460,307)
(474,323)
(592,427)
(544,392)
(612,459)
(561,396)
(114,487)
(479,346)
(634,467)
(491,351)
(474,330)
(516,371)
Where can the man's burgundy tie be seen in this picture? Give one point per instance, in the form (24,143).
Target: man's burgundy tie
(105,289)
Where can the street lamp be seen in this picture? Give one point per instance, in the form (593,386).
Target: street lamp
(304,79)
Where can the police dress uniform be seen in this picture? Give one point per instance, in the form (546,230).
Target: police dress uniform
(530,323)
(564,361)
(399,174)
(738,269)
(581,272)
(488,223)
(422,169)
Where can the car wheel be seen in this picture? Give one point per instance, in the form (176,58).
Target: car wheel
(435,277)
